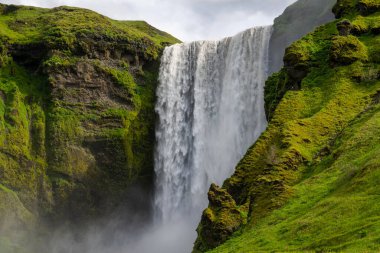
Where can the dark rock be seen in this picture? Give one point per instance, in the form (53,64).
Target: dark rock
(376,30)
(296,61)
(28,55)
(219,221)
(344,27)
(376,97)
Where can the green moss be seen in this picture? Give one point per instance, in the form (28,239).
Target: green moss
(348,49)
(367,7)
(275,88)
(299,53)
(353,7)
(300,58)
(64,129)
(335,203)
(125,79)
(345,8)
(57,61)
(373,46)
(364,25)
(22,132)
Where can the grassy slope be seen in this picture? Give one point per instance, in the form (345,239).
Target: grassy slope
(335,205)
(313,176)
(60,26)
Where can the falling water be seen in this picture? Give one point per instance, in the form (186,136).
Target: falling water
(210,105)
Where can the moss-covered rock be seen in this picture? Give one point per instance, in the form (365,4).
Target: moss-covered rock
(363,25)
(360,26)
(367,7)
(348,49)
(347,7)
(344,7)
(220,220)
(297,60)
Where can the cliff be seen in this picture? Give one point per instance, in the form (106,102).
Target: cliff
(310,183)
(77,93)
(297,20)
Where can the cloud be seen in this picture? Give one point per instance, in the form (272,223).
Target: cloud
(186,19)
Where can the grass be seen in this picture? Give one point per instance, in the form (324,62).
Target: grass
(62,27)
(335,204)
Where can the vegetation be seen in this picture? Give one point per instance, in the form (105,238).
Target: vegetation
(311,180)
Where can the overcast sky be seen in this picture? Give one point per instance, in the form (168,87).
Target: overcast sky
(185,19)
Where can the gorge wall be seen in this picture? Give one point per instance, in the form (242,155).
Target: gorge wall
(77,117)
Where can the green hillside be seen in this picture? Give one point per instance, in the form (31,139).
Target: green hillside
(311,182)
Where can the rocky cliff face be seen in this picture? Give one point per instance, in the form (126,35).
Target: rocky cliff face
(77,94)
(297,20)
(312,176)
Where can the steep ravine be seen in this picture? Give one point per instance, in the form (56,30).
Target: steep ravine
(310,183)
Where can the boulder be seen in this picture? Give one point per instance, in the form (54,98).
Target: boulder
(347,49)
(219,221)
(344,27)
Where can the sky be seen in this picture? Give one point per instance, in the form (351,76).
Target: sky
(188,20)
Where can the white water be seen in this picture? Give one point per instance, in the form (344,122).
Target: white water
(210,104)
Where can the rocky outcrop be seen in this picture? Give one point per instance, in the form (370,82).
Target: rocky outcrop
(347,49)
(344,27)
(220,220)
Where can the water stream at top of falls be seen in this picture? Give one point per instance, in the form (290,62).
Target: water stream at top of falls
(210,105)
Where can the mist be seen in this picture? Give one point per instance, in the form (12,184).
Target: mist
(112,235)
(130,228)
(109,238)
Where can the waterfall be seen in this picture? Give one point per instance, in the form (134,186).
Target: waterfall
(210,105)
